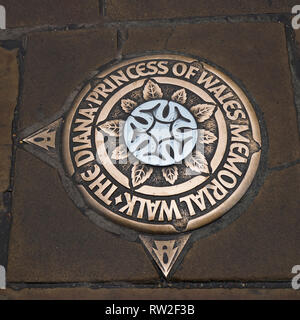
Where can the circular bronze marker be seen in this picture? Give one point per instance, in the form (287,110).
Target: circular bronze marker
(162,143)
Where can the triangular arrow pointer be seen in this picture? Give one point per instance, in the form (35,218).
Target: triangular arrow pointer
(45,137)
(165,252)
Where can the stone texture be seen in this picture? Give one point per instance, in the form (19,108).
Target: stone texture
(254,53)
(149,294)
(9,82)
(297,39)
(261,245)
(5,220)
(297,52)
(28,13)
(163,9)
(56,63)
(5,165)
(51,241)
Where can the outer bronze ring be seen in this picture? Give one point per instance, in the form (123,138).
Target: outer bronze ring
(168,228)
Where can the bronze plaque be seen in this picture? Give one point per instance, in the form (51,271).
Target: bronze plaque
(159,144)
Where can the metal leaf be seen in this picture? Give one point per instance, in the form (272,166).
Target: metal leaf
(170,174)
(128,105)
(203,112)
(197,162)
(113,127)
(140,173)
(179,96)
(207,137)
(152,91)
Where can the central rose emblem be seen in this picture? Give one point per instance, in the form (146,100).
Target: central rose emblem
(160,132)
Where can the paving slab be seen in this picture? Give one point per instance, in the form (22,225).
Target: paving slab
(56,63)
(29,13)
(9,82)
(51,241)
(254,53)
(261,245)
(167,9)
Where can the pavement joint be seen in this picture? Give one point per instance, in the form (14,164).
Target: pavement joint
(16,33)
(169,36)
(103,7)
(6,220)
(294,67)
(17,38)
(285,165)
(122,36)
(284,284)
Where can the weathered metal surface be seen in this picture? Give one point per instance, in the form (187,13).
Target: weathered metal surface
(212,177)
